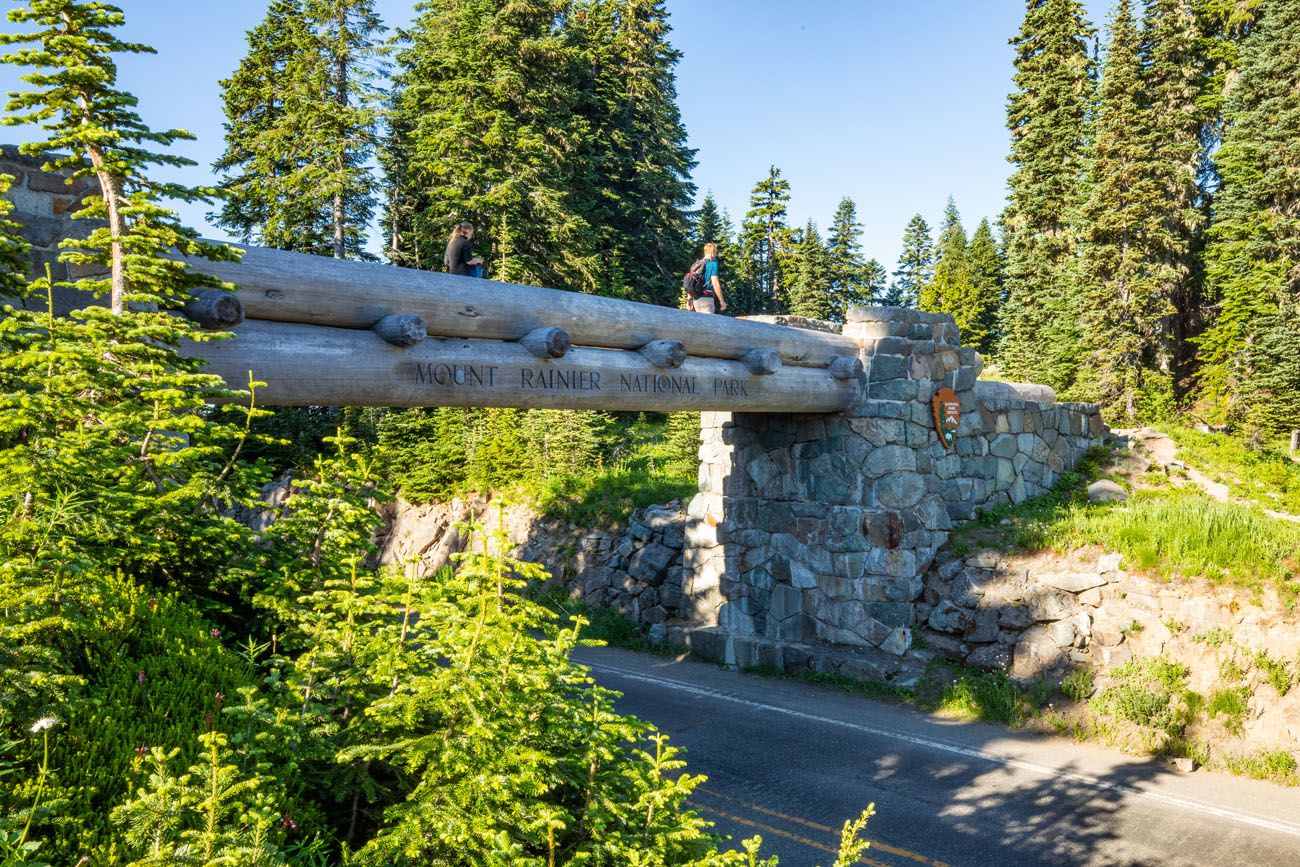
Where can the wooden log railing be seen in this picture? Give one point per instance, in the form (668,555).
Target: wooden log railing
(328,332)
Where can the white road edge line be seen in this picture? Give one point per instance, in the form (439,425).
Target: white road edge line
(1282,827)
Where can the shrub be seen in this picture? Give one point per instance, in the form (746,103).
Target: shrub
(1078,684)
(1230,703)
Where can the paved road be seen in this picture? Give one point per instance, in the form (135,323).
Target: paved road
(791,762)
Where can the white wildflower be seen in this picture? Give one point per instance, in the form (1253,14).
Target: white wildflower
(45,722)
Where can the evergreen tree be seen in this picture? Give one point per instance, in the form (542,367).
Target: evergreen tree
(300,129)
(847,272)
(634,162)
(985,297)
(915,265)
(950,290)
(345,122)
(486,111)
(765,241)
(1048,118)
(810,285)
(1254,244)
(875,283)
(1127,305)
(1174,82)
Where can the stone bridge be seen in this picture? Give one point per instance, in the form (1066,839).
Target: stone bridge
(833,460)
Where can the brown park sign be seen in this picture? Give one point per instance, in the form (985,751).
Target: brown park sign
(947,415)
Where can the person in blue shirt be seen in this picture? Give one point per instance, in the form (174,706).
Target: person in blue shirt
(711,299)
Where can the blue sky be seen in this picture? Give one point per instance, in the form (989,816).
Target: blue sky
(895,104)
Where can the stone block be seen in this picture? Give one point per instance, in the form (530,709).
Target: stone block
(994,657)
(900,490)
(1003,445)
(891,614)
(888,367)
(898,642)
(984,627)
(897,389)
(947,617)
(889,459)
(895,563)
(1036,654)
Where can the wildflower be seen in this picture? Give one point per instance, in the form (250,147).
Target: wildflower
(45,722)
(141,750)
(219,698)
(153,602)
(139,676)
(215,633)
(287,822)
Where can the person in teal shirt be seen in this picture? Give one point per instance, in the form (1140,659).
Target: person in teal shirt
(711,300)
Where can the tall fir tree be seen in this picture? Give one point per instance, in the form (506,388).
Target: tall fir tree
(1175,77)
(633,161)
(486,107)
(810,290)
(985,299)
(915,265)
(301,129)
(848,278)
(875,282)
(949,291)
(765,242)
(1048,117)
(1127,307)
(1254,245)
(345,121)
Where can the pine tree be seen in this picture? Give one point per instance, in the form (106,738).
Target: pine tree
(345,122)
(985,297)
(875,283)
(1174,82)
(487,105)
(810,285)
(765,241)
(847,270)
(1048,118)
(300,129)
(1254,244)
(1127,303)
(634,164)
(915,265)
(950,290)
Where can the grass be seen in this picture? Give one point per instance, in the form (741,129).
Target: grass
(1150,691)
(648,472)
(1278,766)
(604,625)
(1172,533)
(974,694)
(1264,476)
(1231,703)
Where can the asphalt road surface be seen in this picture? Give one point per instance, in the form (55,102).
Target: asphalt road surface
(791,761)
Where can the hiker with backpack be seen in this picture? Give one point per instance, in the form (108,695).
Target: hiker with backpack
(702,285)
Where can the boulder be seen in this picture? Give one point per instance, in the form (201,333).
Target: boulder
(1037,653)
(1106,491)
(947,617)
(993,657)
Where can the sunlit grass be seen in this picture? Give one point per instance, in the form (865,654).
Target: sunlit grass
(1263,475)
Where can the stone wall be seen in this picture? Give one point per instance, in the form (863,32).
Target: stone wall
(821,528)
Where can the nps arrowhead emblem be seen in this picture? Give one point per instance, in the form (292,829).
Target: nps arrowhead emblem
(947,415)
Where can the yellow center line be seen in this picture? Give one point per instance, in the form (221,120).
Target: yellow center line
(769,829)
(875,844)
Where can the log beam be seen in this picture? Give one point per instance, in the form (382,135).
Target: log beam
(311,365)
(668,354)
(401,329)
(547,342)
(282,286)
(214,309)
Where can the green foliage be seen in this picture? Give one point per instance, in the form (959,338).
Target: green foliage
(1078,684)
(969,693)
(1261,474)
(766,241)
(810,289)
(1150,692)
(852,280)
(915,265)
(979,328)
(1128,304)
(1231,703)
(951,286)
(1252,245)
(1048,115)
(1279,766)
